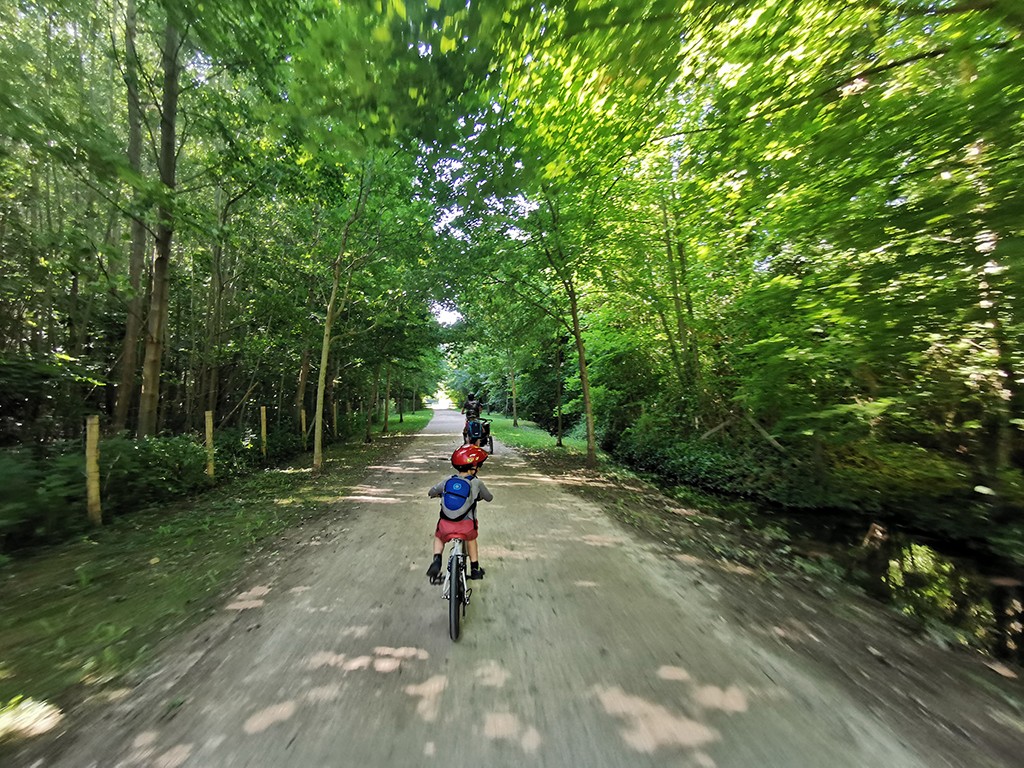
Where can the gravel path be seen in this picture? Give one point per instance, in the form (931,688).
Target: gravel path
(581,647)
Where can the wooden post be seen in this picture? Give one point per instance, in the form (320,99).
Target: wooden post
(334,421)
(302,423)
(209,444)
(263,430)
(92,469)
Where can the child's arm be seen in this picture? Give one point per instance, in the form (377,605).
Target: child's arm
(437,490)
(484,493)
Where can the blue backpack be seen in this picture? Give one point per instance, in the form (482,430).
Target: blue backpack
(474,430)
(456,491)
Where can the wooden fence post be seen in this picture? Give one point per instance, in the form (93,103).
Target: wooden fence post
(209,444)
(263,430)
(92,469)
(302,420)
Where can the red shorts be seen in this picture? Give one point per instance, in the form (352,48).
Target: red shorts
(451,529)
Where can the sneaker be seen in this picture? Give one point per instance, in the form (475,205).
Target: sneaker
(434,570)
(476,573)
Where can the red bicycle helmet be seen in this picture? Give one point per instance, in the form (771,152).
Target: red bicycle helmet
(468,456)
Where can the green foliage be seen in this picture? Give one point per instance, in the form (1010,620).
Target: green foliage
(530,437)
(914,486)
(784,253)
(43,499)
(944,598)
(20,495)
(142,472)
(237,451)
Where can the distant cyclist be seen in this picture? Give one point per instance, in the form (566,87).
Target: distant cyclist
(472,407)
(472,433)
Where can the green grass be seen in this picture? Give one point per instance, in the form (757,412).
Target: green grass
(532,438)
(77,616)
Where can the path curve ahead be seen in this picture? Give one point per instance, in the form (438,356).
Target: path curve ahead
(582,647)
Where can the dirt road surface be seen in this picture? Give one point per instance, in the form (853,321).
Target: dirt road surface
(581,647)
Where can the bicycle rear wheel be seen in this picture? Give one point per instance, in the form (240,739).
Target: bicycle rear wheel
(454,595)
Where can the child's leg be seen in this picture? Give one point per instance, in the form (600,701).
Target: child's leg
(475,571)
(435,564)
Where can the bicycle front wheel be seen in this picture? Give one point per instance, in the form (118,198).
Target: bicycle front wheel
(454,596)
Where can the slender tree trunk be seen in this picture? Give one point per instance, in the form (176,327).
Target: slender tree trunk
(581,352)
(149,400)
(512,381)
(387,400)
(300,389)
(682,299)
(560,264)
(332,309)
(332,402)
(673,348)
(280,403)
(372,405)
(325,350)
(137,249)
(211,377)
(692,359)
(558,374)
(1005,395)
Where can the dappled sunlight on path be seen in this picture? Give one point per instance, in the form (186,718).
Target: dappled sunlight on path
(581,647)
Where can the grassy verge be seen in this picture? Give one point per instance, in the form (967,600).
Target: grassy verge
(685,519)
(529,437)
(740,536)
(76,616)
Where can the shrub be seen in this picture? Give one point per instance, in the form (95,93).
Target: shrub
(236,452)
(19,499)
(42,497)
(137,472)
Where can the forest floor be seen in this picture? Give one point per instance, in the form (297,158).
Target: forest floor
(613,628)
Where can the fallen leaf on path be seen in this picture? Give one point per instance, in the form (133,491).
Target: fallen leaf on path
(1001,669)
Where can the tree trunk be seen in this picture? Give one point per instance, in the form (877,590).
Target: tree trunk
(300,389)
(1004,397)
(214,308)
(682,299)
(387,400)
(512,381)
(581,352)
(332,400)
(371,406)
(137,249)
(332,310)
(558,374)
(159,303)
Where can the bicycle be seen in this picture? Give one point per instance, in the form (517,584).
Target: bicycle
(454,588)
(484,438)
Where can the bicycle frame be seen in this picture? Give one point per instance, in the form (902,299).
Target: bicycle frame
(457,605)
(458,551)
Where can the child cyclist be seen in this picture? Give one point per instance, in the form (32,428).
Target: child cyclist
(459,495)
